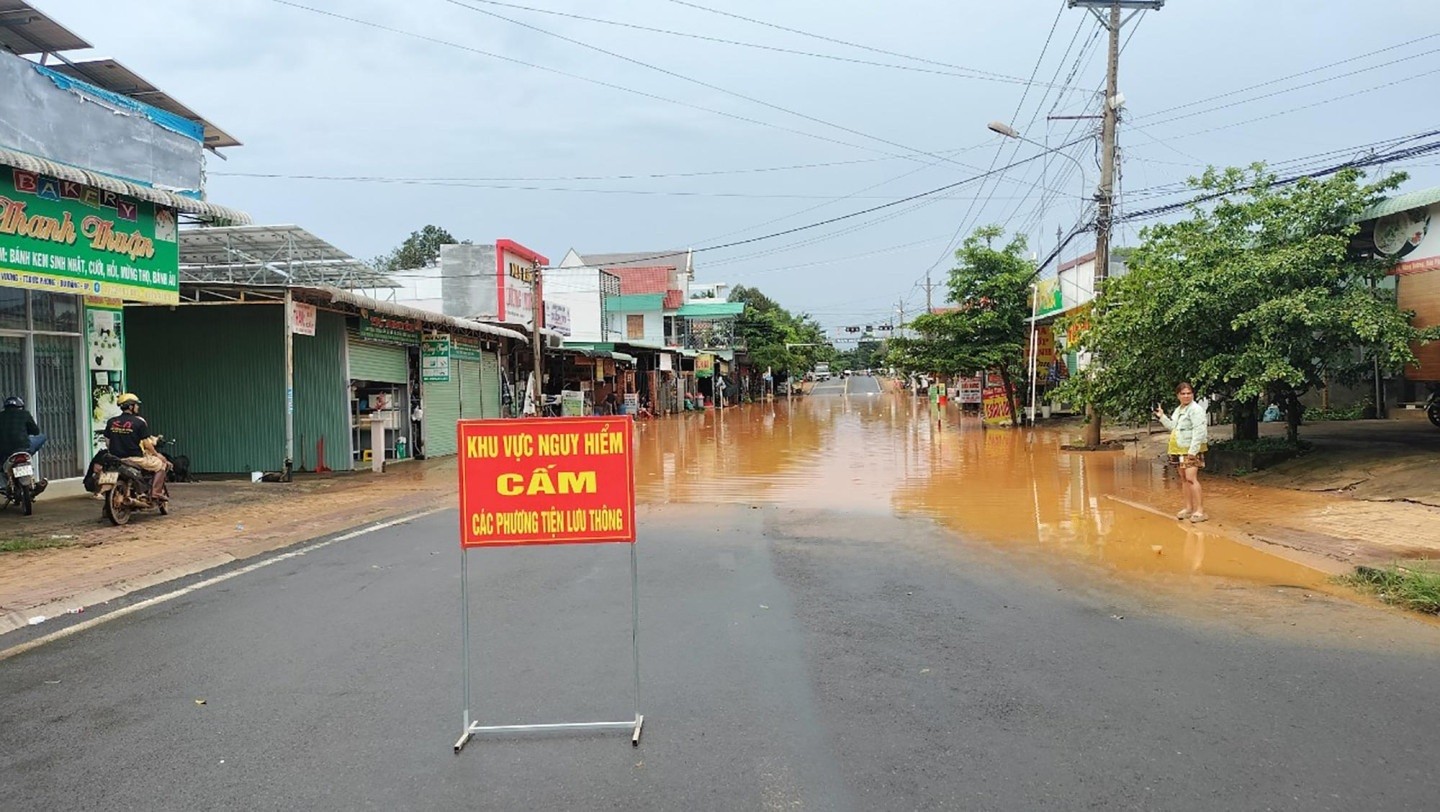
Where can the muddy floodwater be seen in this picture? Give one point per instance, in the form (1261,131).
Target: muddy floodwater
(1012,489)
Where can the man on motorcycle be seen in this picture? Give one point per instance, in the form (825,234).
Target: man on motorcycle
(19,432)
(127,433)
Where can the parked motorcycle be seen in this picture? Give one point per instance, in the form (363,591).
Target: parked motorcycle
(20,485)
(1432,407)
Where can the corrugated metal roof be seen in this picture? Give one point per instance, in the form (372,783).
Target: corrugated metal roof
(701,309)
(663,258)
(1399,203)
(116,78)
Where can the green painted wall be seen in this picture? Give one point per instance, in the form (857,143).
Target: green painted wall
(213,377)
(322,393)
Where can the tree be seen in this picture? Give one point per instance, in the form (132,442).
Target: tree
(766,329)
(419,250)
(987,330)
(1256,297)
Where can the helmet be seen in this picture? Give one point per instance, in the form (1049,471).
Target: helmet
(13,402)
(128,398)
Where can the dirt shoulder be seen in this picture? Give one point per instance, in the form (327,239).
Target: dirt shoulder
(1367,493)
(211,524)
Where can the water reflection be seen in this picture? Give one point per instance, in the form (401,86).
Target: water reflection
(897,454)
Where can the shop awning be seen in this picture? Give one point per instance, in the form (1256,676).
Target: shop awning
(186,205)
(591,352)
(1398,203)
(710,310)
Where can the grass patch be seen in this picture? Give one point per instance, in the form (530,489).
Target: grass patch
(1262,445)
(1415,587)
(22,544)
(1356,412)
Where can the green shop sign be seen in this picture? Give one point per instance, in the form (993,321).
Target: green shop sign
(388,330)
(461,350)
(435,359)
(66,237)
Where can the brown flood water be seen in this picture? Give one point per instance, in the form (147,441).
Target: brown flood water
(894,454)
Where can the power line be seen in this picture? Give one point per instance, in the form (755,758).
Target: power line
(587,79)
(563,178)
(740,43)
(1307,72)
(964,221)
(693,80)
(978,73)
(1283,91)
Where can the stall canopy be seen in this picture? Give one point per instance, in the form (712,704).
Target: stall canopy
(271,255)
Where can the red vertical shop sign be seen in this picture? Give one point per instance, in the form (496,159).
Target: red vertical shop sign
(546,481)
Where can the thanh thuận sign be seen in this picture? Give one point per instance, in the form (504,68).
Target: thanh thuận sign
(546,481)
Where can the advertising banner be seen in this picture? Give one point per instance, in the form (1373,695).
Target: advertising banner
(557,317)
(435,359)
(105,340)
(1044,347)
(302,319)
(572,403)
(1048,298)
(970,390)
(995,405)
(462,349)
(65,237)
(546,481)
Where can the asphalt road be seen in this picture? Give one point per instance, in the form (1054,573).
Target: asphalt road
(791,660)
(853,385)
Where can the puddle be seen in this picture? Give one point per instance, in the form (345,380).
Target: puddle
(891,455)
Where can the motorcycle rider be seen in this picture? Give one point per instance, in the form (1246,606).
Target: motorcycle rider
(127,433)
(19,432)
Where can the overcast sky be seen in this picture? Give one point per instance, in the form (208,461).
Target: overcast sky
(319,96)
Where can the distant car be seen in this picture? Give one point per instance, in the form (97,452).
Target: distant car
(846,373)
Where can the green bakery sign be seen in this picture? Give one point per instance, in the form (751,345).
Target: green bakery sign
(66,237)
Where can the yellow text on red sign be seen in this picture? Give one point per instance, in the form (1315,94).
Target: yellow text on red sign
(546,481)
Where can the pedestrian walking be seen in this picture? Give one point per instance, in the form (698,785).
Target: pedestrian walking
(1189,439)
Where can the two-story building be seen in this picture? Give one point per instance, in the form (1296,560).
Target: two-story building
(98,171)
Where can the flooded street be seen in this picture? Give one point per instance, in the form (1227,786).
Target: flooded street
(867,452)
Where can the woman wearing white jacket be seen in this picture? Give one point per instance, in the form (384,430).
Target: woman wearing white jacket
(1189,439)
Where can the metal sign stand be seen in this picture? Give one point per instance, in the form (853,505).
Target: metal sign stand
(471,728)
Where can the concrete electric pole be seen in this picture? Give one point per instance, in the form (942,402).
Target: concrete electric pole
(1105,195)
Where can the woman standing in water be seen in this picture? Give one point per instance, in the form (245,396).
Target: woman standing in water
(1189,437)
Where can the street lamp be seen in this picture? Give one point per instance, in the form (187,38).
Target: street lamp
(1006,130)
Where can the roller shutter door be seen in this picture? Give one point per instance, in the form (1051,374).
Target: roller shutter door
(384,363)
(490,383)
(442,409)
(471,399)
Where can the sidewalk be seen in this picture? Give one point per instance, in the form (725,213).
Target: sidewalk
(1369,492)
(210,524)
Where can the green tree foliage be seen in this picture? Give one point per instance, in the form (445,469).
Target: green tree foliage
(987,329)
(766,327)
(1256,297)
(419,250)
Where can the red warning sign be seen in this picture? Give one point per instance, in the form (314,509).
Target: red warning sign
(551,480)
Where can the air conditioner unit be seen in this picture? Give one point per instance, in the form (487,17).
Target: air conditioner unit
(554,342)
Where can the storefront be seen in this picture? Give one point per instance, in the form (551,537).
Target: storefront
(1406,230)
(71,254)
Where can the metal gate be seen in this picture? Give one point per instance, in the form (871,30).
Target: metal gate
(472,398)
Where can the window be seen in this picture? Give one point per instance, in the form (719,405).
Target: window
(635,326)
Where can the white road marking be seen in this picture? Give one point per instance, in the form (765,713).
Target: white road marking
(169,596)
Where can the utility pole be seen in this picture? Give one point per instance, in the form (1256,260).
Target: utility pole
(900,308)
(929,308)
(536,310)
(1105,194)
